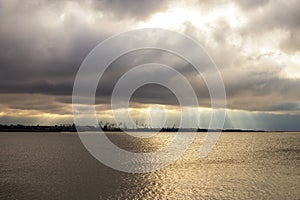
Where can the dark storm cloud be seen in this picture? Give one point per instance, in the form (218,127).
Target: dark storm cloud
(39,54)
(245,89)
(43,43)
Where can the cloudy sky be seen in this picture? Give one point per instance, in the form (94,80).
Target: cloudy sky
(254,43)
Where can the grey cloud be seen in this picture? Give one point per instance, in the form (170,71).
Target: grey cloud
(285,107)
(261,91)
(138,9)
(252,4)
(277,15)
(39,56)
(34,102)
(292,43)
(224,54)
(245,89)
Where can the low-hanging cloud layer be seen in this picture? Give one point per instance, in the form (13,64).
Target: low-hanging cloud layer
(255,44)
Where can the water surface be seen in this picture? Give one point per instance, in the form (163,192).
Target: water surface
(241,166)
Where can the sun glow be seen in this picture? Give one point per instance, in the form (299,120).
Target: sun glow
(176,17)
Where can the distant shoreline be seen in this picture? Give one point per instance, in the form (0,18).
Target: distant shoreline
(73,128)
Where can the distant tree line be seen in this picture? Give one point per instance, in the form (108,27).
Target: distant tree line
(106,126)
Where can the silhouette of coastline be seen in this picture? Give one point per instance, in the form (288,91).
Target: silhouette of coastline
(108,128)
(37,128)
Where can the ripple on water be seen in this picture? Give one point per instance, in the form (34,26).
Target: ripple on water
(241,166)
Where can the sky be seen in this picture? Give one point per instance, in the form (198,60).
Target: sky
(254,43)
